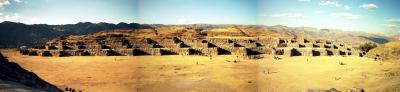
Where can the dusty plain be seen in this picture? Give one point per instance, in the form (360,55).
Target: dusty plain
(177,73)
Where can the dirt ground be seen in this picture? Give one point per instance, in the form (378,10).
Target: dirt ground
(216,74)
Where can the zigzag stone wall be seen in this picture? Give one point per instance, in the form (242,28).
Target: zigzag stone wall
(117,45)
(306,47)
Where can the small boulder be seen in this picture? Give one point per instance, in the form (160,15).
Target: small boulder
(356,90)
(321,90)
(342,63)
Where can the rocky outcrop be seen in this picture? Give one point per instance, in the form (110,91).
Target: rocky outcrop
(14,78)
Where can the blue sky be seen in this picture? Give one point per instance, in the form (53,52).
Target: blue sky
(351,15)
(198,11)
(377,16)
(68,11)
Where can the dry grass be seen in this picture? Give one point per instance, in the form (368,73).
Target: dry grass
(389,51)
(197,73)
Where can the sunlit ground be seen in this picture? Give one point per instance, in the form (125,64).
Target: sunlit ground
(222,73)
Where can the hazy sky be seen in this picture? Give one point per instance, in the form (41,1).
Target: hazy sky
(359,15)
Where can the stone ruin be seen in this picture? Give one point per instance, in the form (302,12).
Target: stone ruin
(134,43)
(307,47)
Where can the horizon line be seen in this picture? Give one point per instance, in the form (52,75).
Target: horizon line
(194,24)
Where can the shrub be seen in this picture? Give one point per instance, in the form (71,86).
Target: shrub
(367,46)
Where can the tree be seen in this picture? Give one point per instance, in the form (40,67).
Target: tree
(367,46)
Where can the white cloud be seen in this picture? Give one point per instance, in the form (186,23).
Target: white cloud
(369,6)
(183,21)
(18,1)
(329,3)
(347,7)
(289,15)
(7,2)
(3,3)
(263,15)
(393,26)
(192,21)
(346,15)
(392,22)
(13,17)
(318,12)
(38,20)
(304,0)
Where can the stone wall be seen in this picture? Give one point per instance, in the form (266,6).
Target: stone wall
(308,47)
(126,45)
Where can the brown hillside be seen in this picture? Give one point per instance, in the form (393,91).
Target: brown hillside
(388,52)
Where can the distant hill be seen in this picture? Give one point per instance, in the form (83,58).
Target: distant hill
(349,37)
(389,51)
(14,35)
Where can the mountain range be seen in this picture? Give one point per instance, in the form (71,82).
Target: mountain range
(14,35)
